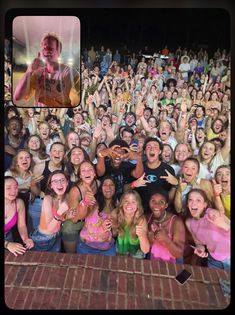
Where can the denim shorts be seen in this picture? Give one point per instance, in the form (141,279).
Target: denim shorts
(83,248)
(46,243)
(220,264)
(34,213)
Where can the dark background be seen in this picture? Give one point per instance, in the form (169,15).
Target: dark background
(156,27)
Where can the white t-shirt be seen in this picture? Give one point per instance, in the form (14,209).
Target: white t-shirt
(184,67)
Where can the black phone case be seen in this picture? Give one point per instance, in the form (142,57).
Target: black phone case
(183,276)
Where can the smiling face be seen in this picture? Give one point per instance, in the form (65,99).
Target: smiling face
(14,127)
(200,135)
(108,188)
(181,152)
(217,126)
(72,140)
(57,153)
(208,151)
(44,131)
(10,189)
(167,154)
(59,184)
(50,51)
(189,171)
(34,143)
(130,205)
(152,151)
(158,205)
(77,156)
(164,130)
(223,177)
(23,160)
(196,204)
(87,173)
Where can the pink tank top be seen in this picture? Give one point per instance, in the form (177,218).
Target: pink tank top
(216,239)
(93,233)
(160,252)
(12,222)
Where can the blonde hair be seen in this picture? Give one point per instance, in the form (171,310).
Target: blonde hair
(138,216)
(55,37)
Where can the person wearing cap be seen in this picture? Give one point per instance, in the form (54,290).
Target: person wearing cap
(53,84)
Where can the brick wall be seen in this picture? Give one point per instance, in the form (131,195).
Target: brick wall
(41,280)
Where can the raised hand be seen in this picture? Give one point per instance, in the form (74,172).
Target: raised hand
(141,182)
(217,188)
(35,64)
(182,185)
(171,179)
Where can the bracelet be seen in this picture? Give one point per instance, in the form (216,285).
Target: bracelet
(6,244)
(100,155)
(83,203)
(57,219)
(133,185)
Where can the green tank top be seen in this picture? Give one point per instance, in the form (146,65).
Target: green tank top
(127,244)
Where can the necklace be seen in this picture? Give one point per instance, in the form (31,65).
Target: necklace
(159,222)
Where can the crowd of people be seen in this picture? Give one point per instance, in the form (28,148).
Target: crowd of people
(140,167)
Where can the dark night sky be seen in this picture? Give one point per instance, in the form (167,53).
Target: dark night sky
(156,27)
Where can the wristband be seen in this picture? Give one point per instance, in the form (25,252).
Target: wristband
(133,185)
(83,203)
(6,244)
(217,195)
(57,219)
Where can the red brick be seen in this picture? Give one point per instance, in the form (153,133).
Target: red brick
(155,267)
(137,265)
(130,264)
(78,275)
(158,304)
(111,301)
(113,278)
(184,290)
(90,261)
(44,276)
(149,304)
(163,268)
(139,284)
(221,299)
(104,279)
(65,259)
(148,289)
(141,302)
(213,275)
(29,274)
(8,296)
(130,284)
(121,301)
(206,274)
(178,305)
(11,275)
(64,300)
(98,300)
(166,288)
(39,299)
(7,255)
(95,282)
(146,267)
(171,269)
(43,257)
(75,259)
(105,262)
(16,304)
(84,300)
(212,295)
(176,290)
(203,293)
(122,263)
(122,283)
(51,297)
(29,299)
(69,278)
(86,281)
(222,274)
(197,273)
(187,305)
(114,264)
(193,291)
(98,261)
(168,305)
(74,299)
(37,276)
(57,277)
(20,298)
(157,287)
(81,260)
(131,302)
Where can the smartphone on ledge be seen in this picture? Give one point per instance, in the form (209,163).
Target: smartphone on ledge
(183,276)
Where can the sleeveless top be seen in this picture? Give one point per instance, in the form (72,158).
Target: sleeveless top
(226,200)
(216,239)
(160,252)
(127,245)
(9,225)
(93,233)
(43,225)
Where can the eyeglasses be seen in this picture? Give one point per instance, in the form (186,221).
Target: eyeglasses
(57,181)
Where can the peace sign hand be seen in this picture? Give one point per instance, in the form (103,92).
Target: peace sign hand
(141,182)
(171,179)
